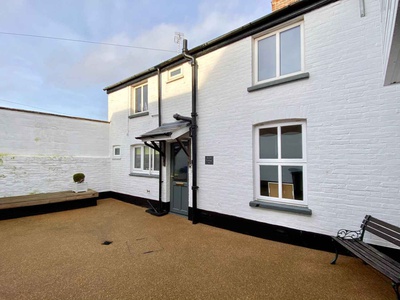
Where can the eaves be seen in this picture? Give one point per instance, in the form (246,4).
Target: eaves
(271,20)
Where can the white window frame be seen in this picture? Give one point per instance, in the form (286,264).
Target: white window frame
(277,32)
(301,162)
(141,170)
(133,98)
(114,155)
(177,76)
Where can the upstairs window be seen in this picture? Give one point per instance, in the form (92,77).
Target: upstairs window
(175,74)
(139,99)
(145,160)
(280,163)
(279,54)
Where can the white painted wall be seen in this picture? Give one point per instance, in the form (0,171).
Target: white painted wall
(176,98)
(39,153)
(353,137)
(123,132)
(353,121)
(390,17)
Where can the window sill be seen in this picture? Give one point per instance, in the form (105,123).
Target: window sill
(141,114)
(282,207)
(278,82)
(144,175)
(172,79)
(116,158)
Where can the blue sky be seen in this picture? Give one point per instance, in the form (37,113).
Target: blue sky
(67,77)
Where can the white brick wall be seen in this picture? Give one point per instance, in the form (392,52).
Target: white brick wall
(353,136)
(353,139)
(176,98)
(39,153)
(123,132)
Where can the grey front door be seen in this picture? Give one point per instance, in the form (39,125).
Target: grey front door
(179,180)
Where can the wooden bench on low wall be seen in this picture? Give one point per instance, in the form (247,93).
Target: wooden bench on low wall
(353,242)
(17,205)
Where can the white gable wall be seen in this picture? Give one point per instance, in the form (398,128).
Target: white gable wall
(123,132)
(353,138)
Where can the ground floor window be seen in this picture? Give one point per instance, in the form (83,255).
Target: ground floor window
(116,152)
(144,160)
(280,162)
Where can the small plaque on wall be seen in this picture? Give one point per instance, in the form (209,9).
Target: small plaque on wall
(209,160)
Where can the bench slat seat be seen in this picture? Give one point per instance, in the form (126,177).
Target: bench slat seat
(353,242)
(372,257)
(45,198)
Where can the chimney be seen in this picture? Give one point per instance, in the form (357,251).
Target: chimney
(278,4)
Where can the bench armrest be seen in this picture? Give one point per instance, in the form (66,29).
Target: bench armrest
(349,234)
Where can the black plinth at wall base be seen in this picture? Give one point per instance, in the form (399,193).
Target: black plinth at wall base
(143,202)
(250,227)
(26,211)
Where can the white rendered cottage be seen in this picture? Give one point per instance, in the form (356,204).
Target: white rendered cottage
(287,127)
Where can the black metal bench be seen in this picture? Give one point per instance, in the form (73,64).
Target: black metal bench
(353,242)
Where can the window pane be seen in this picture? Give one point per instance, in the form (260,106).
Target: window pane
(156,166)
(290,51)
(269,181)
(146,163)
(145,98)
(267,58)
(269,143)
(138,161)
(180,163)
(138,100)
(291,142)
(292,182)
(117,151)
(175,72)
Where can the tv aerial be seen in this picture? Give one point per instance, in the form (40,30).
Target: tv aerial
(178,40)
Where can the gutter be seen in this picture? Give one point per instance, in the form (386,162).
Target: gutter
(264,23)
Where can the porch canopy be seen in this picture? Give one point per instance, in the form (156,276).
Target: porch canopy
(166,132)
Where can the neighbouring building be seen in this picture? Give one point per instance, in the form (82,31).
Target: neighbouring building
(40,152)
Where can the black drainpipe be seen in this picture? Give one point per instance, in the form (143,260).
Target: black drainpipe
(160,209)
(193,129)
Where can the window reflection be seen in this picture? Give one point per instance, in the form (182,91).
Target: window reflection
(291,142)
(180,167)
(138,98)
(290,51)
(292,182)
(269,181)
(138,157)
(267,58)
(269,142)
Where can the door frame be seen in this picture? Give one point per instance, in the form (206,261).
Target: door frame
(171,182)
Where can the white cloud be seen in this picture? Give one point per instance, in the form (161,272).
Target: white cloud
(63,75)
(106,65)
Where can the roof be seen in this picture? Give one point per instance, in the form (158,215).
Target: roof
(51,114)
(168,131)
(273,19)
